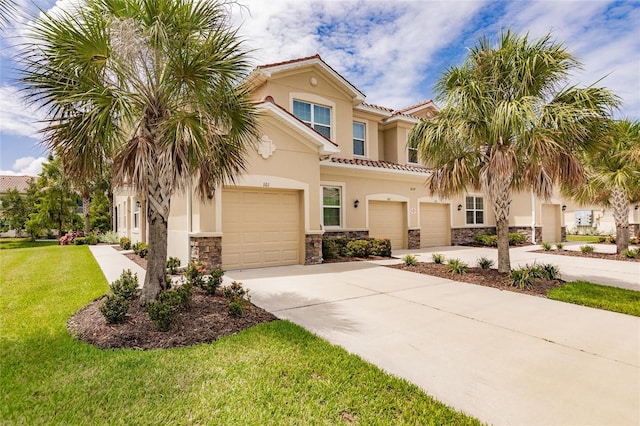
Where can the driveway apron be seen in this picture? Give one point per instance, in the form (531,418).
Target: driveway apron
(504,357)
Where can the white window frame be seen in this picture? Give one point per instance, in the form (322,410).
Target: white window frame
(475,210)
(363,140)
(339,207)
(136,214)
(312,122)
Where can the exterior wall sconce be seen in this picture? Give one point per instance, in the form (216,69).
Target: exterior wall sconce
(356,203)
(636,207)
(459,207)
(564,208)
(138,204)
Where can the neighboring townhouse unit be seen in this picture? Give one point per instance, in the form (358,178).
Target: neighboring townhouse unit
(11,182)
(326,164)
(597,219)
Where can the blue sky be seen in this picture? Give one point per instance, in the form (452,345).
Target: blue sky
(393,51)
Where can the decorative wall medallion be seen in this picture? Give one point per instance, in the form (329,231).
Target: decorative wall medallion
(266,148)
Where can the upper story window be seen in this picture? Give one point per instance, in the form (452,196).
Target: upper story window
(358,139)
(331,205)
(474,210)
(316,116)
(412,154)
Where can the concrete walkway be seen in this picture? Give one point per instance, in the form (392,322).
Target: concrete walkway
(113,262)
(503,357)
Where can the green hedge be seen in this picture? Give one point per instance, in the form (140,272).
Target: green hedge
(334,248)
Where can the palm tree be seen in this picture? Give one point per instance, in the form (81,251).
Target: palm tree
(509,122)
(613,176)
(155,86)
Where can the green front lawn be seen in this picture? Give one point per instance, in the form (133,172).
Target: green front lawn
(584,238)
(14,243)
(276,373)
(598,296)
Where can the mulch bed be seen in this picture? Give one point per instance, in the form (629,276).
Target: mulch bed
(594,255)
(479,276)
(208,319)
(138,260)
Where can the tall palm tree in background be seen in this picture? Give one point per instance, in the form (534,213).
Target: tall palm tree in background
(613,176)
(510,122)
(153,86)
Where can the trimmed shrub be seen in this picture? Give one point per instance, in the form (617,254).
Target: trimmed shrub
(485,263)
(163,312)
(380,247)
(185,291)
(80,241)
(410,260)
(546,246)
(126,286)
(236,307)
(358,248)
(115,308)
(109,237)
(486,240)
(456,266)
(125,243)
(516,238)
(172,265)
(587,249)
(91,239)
(437,258)
(330,248)
(211,283)
(141,249)
(235,291)
(194,273)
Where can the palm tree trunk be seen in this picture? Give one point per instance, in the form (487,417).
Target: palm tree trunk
(86,205)
(621,216)
(158,215)
(501,202)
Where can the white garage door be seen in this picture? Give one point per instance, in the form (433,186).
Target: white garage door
(550,223)
(434,225)
(387,219)
(260,228)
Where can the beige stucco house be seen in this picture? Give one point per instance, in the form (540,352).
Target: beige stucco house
(326,164)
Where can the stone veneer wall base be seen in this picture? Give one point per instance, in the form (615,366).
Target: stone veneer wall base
(207,250)
(413,239)
(313,249)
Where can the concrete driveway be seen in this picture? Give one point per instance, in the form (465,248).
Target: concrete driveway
(503,357)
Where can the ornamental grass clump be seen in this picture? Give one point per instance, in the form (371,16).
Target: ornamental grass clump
(485,263)
(410,260)
(587,249)
(457,267)
(546,246)
(559,246)
(437,258)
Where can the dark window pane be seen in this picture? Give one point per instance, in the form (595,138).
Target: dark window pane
(358,147)
(479,217)
(323,130)
(331,196)
(358,131)
(479,203)
(469,217)
(469,203)
(331,216)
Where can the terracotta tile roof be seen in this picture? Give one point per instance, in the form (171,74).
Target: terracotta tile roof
(380,164)
(414,106)
(21,183)
(292,61)
(385,109)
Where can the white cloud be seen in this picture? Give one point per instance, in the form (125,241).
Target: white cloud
(17,118)
(29,166)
